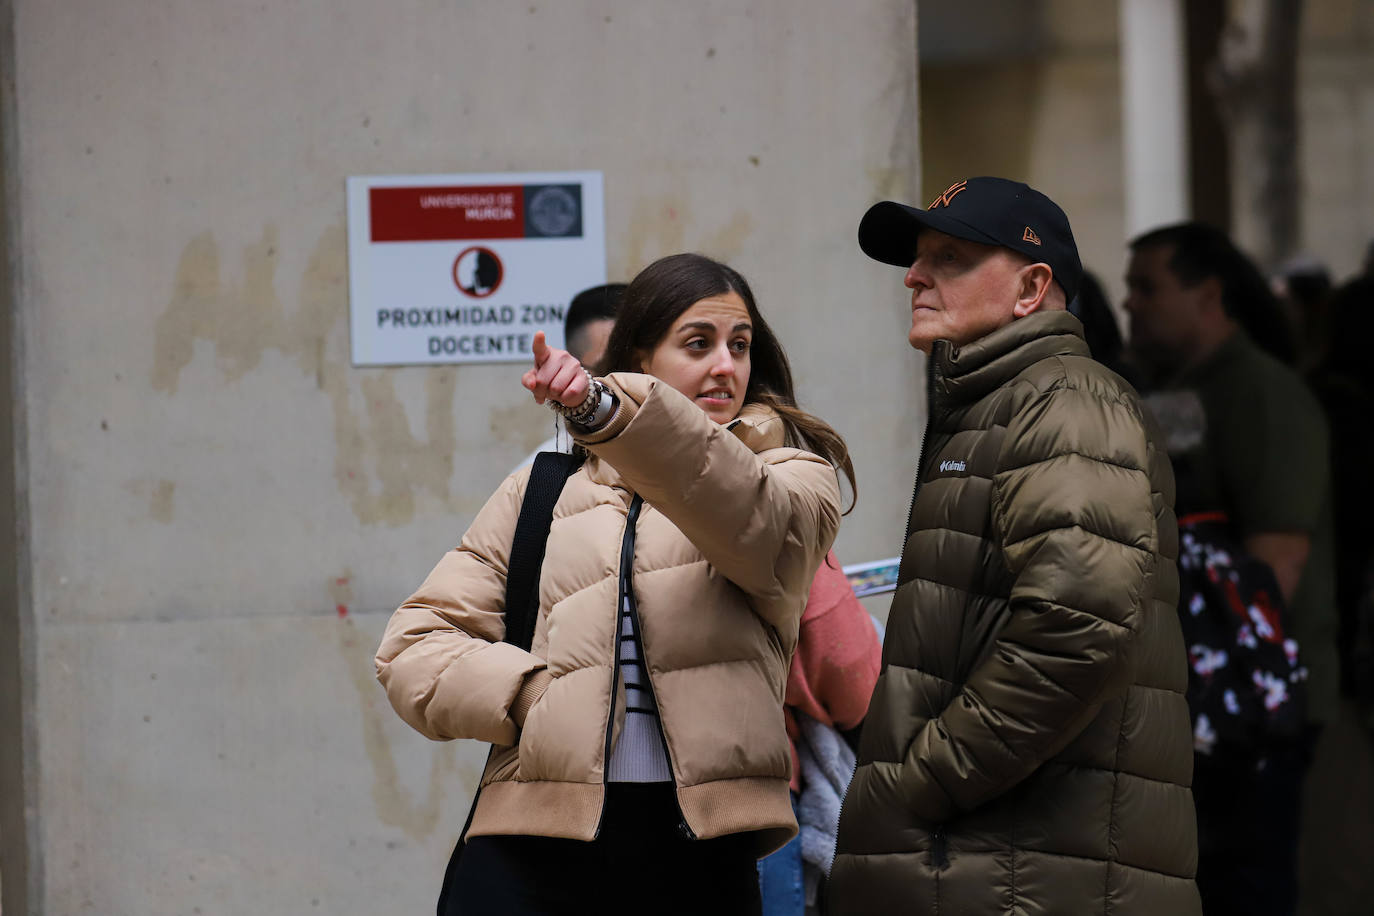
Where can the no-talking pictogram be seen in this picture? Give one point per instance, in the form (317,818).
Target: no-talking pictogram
(477,271)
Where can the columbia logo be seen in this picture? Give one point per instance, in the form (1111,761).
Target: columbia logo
(951,466)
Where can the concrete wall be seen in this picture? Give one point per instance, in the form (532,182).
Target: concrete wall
(223,512)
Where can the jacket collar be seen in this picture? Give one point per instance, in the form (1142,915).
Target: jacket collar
(965,374)
(759,427)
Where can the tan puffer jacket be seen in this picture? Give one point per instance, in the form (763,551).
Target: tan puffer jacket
(1028,748)
(730,531)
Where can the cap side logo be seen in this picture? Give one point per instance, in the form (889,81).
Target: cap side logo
(1030,236)
(951,192)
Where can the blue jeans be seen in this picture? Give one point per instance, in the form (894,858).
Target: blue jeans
(780,879)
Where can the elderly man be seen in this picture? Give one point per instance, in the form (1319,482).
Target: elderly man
(1027,749)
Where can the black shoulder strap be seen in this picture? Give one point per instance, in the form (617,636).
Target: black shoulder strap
(551,470)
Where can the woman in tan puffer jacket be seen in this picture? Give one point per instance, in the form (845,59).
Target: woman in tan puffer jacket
(640,759)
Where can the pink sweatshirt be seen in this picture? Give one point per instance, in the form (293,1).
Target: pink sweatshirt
(836,663)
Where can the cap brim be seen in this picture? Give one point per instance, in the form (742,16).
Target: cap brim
(888,231)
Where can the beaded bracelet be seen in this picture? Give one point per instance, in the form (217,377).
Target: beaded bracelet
(585,410)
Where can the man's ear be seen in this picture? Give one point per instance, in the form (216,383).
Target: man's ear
(1210,290)
(1033,289)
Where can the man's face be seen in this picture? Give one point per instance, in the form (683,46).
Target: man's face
(589,343)
(960,290)
(1165,314)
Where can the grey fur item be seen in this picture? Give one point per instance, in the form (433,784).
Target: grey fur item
(827,765)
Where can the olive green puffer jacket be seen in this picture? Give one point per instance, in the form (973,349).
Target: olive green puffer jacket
(1027,749)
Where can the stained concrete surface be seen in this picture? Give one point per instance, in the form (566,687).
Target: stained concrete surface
(223,511)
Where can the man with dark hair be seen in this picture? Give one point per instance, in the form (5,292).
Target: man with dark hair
(586,329)
(1248,440)
(1196,253)
(1027,746)
(587,326)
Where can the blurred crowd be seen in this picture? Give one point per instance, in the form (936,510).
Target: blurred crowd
(1265,391)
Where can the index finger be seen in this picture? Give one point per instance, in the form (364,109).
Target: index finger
(539,348)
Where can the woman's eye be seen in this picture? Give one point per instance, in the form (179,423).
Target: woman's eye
(740,346)
(696,343)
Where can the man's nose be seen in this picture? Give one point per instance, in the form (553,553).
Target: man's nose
(916,276)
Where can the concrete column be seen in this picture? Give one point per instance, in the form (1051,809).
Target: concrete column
(1154,67)
(19,871)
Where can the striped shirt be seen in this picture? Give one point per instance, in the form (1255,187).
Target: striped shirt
(638,755)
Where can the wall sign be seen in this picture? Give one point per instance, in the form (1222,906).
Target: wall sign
(465,268)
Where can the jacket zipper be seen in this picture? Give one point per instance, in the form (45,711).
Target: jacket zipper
(939,849)
(627,555)
(682,827)
(910,517)
(626,596)
(629,597)
(835,849)
(925,440)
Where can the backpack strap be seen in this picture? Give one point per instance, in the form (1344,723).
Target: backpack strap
(551,470)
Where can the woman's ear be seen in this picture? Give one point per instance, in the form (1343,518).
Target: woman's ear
(1032,293)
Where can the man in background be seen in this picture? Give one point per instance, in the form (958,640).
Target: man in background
(587,326)
(1249,440)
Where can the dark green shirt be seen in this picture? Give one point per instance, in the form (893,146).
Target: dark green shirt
(1248,438)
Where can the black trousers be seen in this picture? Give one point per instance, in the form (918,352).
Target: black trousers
(640,863)
(1248,818)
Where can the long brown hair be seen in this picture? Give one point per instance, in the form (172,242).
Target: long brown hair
(670,286)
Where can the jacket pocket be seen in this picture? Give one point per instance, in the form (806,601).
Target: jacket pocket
(502,766)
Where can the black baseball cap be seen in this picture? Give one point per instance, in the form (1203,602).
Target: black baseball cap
(992,211)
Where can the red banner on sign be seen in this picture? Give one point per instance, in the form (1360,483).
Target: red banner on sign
(447,214)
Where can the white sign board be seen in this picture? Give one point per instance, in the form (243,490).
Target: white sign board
(465,268)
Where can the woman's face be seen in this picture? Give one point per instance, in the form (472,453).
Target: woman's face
(705,355)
